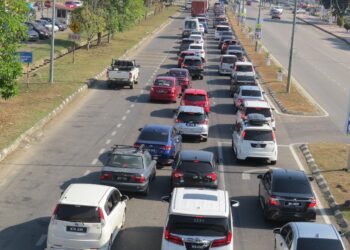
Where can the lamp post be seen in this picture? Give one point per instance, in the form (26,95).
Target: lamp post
(289,80)
(52,54)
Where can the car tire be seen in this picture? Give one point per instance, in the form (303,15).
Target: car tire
(273,162)
(205,139)
(146,192)
(132,85)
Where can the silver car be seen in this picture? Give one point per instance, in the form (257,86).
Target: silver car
(192,121)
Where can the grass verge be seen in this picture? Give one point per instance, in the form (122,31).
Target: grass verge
(32,104)
(295,101)
(332,159)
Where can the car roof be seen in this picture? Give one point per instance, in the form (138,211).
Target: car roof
(198,44)
(315,230)
(193,57)
(195,92)
(288,173)
(256,103)
(249,87)
(84,194)
(202,202)
(201,155)
(191,109)
(244,63)
(158,127)
(222,26)
(165,77)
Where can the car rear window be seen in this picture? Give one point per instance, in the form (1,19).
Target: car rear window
(202,19)
(318,244)
(151,135)
(239,54)
(187,54)
(75,213)
(222,28)
(126,161)
(198,226)
(193,62)
(244,68)
(194,98)
(195,47)
(264,111)
(190,25)
(234,47)
(191,117)
(255,93)
(227,33)
(195,166)
(164,83)
(229,59)
(285,184)
(258,135)
(187,41)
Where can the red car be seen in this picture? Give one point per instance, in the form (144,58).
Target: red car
(182,56)
(226,44)
(196,97)
(165,88)
(70,4)
(182,75)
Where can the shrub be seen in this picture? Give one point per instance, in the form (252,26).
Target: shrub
(340,21)
(347,26)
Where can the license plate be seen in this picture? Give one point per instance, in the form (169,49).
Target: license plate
(161,91)
(190,124)
(152,151)
(121,178)
(76,229)
(293,203)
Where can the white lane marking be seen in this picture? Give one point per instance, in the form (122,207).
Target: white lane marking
(128,111)
(102,151)
(283,146)
(301,167)
(123,118)
(87,172)
(141,92)
(246,174)
(108,141)
(41,240)
(132,105)
(114,133)
(119,125)
(94,161)
(221,165)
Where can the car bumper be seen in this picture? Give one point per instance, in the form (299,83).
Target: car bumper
(128,187)
(272,156)
(199,131)
(225,71)
(163,97)
(280,215)
(213,185)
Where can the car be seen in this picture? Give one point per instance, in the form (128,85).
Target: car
(286,195)
(195,168)
(32,35)
(276,9)
(242,79)
(243,67)
(194,65)
(47,25)
(219,29)
(182,55)
(198,219)
(197,38)
(276,15)
(188,5)
(41,30)
(165,88)
(196,97)
(192,121)
(61,26)
(308,235)
(226,43)
(227,63)
(204,22)
(185,44)
(129,169)
(87,216)
(254,138)
(256,107)
(123,73)
(224,38)
(238,53)
(198,48)
(219,19)
(189,25)
(162,141)
(201,28)
(182,76)
(247,92)
(70,4)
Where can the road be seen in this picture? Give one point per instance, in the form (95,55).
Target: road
(321,62)
(73,147)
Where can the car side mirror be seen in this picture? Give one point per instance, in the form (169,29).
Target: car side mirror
(311,178)
(234,203)
(124,198)
(166,198)
(140,129)
(276,231)
(259,176)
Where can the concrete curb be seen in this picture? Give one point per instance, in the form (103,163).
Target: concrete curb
(322,184)
(26,136)
(324,30)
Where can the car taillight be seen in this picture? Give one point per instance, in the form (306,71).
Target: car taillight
(138,178)
(178,174)
(273,135)
(222,242)
(55,210)
(243,134)
(240,100)
(137,145)
(205,121)
(106,176)
(172,238)
(152,88)
(312,203)
(212,176)
(243,116)
(184,65)
(273,201)
(202,51)
(166,147)
(178,121)
(101,215)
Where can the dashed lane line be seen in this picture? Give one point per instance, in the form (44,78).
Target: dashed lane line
(41,240)
(114,133)
(102,151)
(108,141)
(124,118)
(94,161)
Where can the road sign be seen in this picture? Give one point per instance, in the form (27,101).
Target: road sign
(74,26)
(258,33)
(74,37)
(26,57)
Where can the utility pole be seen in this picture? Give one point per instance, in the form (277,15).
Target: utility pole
(52,54)
(289,80)
(239,12)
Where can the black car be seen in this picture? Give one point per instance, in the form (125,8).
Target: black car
(41,30)
(62,26)
(195,168)
(286,195)
(194,65)
(185,44)
(240,79)
(129,169)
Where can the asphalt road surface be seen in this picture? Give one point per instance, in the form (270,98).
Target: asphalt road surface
(73,147)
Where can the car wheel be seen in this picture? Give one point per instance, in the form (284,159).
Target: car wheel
(132,85)
(233,147)
(146,192)
(266,215)
(273,162)
(205,139)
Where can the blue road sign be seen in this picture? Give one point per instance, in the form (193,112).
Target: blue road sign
(26,57)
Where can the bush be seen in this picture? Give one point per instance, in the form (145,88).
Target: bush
(347,26)
(340,21)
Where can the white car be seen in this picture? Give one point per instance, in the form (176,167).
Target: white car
(246,92)
(254,138)
(87,216)
(78,3)
(198,49)
(199,219)
(227,63)
(243,67)
(197,38)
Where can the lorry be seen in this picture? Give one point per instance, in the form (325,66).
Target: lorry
(199,7)
(123,73)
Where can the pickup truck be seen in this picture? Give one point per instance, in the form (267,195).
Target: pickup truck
(123,73)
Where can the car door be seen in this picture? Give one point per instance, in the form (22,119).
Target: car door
(265,187)
(236,133)
(178,87)
(150,165)
(115,212)
(176,141)
(283,240)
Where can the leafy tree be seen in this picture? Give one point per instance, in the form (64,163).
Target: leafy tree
(347,26)
(338,6)
(12,30)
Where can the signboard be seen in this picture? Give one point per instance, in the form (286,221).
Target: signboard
(74,37)
(258,33)
(74,26)
(26,57)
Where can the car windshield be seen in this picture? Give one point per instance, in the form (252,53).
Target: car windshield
(194,98)
(223,28)
(154,135)
(254,93)
(244,68)
(195,226)
(76,213)
(195,166)
(190,117)
(192,62)
(163,83)
(318,244)
(258,135)
(245,78)
(287,184)
(264,111)
(202,19)
(126,161)
(190,25)
(229,59)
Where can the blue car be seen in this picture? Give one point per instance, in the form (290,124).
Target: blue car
(162,141)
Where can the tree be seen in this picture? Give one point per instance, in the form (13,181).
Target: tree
(338,6)
(12,31)
(347,26)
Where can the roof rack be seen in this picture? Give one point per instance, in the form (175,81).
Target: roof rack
(137,149)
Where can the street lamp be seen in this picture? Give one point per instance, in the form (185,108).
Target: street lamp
(52,54)
(289,80)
